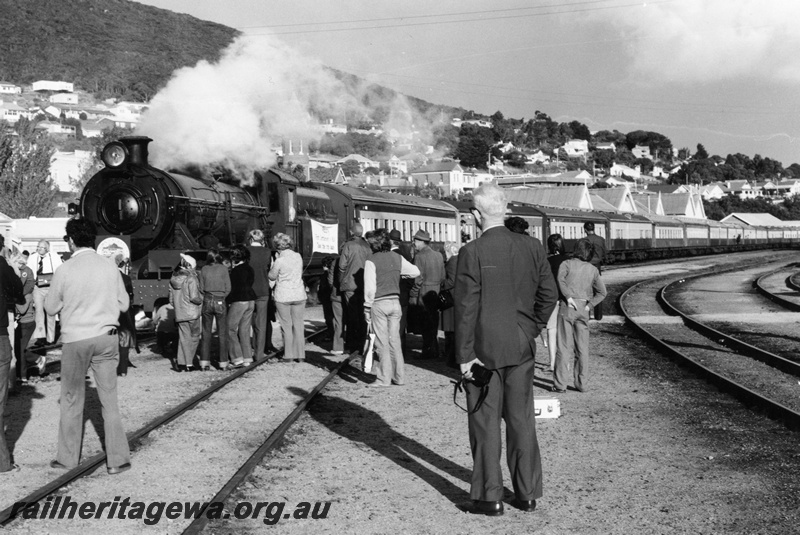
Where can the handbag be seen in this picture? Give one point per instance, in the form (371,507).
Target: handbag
(43,280)
(446,300)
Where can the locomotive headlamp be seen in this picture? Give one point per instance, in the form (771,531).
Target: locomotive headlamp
(114,154)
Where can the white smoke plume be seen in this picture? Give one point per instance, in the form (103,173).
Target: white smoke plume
(233,111)
(711,40)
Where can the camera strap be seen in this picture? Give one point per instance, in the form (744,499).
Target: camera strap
(458,386)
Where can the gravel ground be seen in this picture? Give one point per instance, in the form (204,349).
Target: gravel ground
(649,449)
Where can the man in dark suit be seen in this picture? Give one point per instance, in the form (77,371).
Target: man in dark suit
(504,295)
(597,260)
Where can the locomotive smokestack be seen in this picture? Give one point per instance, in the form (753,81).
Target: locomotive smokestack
(137,148)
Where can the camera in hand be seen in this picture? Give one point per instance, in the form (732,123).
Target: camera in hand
(480,375)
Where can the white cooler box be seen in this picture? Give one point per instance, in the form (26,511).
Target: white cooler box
(546,407)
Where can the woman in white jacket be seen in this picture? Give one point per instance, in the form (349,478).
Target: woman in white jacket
(289,294)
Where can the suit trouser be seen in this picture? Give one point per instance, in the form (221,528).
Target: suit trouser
(356,326)
(101,354)
(42,318)
(260,326)
(188,339)
(290,316)
(573,346)
(430,331)
(5,371)
(510,397)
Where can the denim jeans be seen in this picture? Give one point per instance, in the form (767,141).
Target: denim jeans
(214,307)
(386,315)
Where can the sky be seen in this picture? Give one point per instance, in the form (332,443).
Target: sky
(724,73)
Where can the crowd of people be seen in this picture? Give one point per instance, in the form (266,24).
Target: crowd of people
(493,298)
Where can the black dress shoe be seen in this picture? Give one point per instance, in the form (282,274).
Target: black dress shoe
(528,506)
(480,507)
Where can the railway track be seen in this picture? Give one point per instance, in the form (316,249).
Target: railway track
(761,379)
(179,412)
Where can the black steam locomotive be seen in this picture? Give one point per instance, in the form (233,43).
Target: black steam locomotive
(151,216)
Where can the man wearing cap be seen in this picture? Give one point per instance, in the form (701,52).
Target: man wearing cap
(405,251)
(352,257)
(89,294)
(424,297)
(597,260)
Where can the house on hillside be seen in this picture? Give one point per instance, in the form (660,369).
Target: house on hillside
(363,161)
(11,112)
(573,197)
(576,148)
(788,188)
(47,85)
(449,177)
(713,191)
(63,98)
(742,189)
(606,145)
(623,170)
(7,88)
(642,151)
(538,157)
(397,166)
(57,129)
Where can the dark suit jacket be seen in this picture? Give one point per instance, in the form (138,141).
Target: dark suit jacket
(504,292)
(599,244)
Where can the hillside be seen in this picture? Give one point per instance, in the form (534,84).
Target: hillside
(108,47)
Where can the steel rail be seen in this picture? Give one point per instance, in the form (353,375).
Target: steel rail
(785,303)
(201,520)
(88,466)
(750,398)
(768,358)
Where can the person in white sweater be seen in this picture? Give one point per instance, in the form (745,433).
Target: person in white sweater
(89,294)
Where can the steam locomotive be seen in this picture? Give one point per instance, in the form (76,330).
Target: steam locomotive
(151,216)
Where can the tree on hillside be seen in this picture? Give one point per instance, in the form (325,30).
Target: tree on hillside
(474,146)
(580,130)
(351,168)
(26,188)
(701,153)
